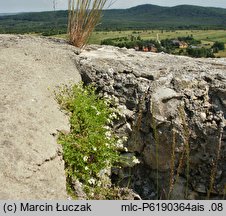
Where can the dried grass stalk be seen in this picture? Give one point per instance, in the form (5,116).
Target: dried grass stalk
(83,16)
(215,163)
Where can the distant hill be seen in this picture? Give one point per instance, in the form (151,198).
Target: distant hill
(7,14)
(140,17)
(152,16)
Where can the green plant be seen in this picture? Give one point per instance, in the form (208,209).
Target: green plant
(83,16)
(218,46)
(89,149)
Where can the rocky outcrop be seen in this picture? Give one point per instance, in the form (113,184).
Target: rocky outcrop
(173,111)
(31,166)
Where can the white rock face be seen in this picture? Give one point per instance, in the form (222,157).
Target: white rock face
(30,163)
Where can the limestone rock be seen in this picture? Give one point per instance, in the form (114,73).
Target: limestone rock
(31,163)
(172,103)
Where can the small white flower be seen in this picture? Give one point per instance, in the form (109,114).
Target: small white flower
(85,158)
(119,143)
(125,149)
(113,116)
(108,134)
(86,168)
(94,148)
(125,138)
(135,160)
(106,127)
(109,121)
(91,181)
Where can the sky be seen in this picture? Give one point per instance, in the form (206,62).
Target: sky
(11,6)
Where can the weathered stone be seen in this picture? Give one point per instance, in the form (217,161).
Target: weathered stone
(78,190)
(178,189)
(31,163)
(160,94)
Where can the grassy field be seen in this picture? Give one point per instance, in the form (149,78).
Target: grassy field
(206,36)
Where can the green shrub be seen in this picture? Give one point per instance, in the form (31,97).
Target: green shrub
(89,149)
(200,52)
(218,46)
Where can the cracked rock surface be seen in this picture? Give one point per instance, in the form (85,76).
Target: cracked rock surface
(170,106)
(30,163)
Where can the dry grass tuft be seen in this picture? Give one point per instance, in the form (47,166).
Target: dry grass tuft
(184,156)
(83,16)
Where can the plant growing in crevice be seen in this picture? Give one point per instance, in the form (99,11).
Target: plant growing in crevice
(184,156)
(89,149)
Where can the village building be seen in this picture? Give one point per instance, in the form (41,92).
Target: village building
(180,44)
(145,49)
(149,48)
(152,48)
(183,45)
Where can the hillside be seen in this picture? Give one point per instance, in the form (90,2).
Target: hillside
(151,16)
(139,17)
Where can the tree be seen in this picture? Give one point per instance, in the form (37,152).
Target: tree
(200,52)
(218,46)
